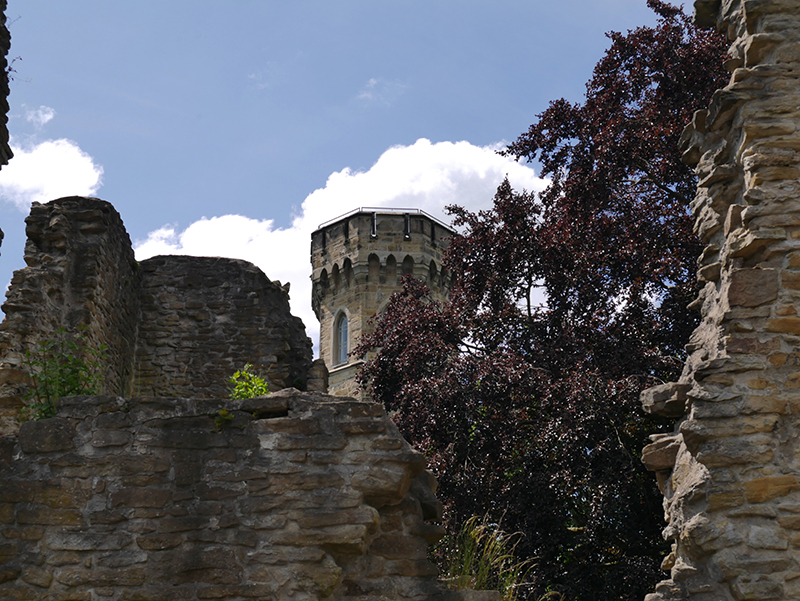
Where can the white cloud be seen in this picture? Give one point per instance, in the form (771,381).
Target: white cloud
(39,117)
(380,91)
(40,172)
(368,91)
(424,175)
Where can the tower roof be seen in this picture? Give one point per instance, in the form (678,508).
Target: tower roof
(383,211)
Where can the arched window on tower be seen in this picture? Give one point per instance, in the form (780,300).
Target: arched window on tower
(391,270)
(340,338)
(408,265)
(348,273)
(374,269)
(432,275)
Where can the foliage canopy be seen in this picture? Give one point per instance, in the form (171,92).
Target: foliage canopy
(530,410)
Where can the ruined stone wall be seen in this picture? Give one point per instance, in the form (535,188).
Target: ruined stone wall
(204,318)
(298,496)
(730,473)
(5,45)
(172,326)
(81,275)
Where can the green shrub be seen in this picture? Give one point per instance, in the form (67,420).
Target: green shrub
(481,557)
(62,366)
(247,385)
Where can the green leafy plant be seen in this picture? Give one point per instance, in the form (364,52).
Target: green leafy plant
(245,384)
(481,557)
(65,365)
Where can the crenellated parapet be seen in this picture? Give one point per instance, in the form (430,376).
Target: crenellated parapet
(358,261)
(730,473)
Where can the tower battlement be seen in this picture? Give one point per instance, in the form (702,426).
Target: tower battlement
(357,262)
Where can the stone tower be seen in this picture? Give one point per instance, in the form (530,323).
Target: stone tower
(358,260)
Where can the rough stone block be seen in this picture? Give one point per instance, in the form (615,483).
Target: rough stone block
(756,591)
(135,576)
(37,576)
(751,344)
(668,399)
(394,546)
(382,485)
(9,574)
(255,591)
(47,436)
(48,516)
(765,489)
(79,541)
(159,542)
(661,454)
(348,539)
(140,497)
(110,438)
(767,538)
(199,565)
(752,287)
(784,325)
(725,500)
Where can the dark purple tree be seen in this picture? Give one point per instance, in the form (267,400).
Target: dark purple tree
(530,411)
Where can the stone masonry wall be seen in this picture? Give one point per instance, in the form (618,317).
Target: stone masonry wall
(730,473)
(203,318)
(172,326)
(297,496)
(80,274)
(5,45)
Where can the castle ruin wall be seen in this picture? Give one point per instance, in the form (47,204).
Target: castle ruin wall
(171,326)
(730,473)
(204,318)
(81,275)
(188,495)
(297,496)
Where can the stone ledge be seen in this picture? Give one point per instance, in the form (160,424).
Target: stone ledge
(667,400)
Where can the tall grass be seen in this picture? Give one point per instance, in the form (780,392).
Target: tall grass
(482,558)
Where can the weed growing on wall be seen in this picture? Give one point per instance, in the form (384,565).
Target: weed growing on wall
(245,384)
(221,417)
(65,365)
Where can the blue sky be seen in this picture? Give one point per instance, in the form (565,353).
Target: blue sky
(235,128)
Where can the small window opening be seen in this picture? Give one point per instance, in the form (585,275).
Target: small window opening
(348,273)
(391,270)
(408,265)
(373,269)
(340,341)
